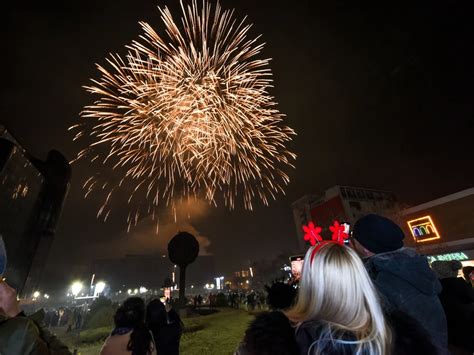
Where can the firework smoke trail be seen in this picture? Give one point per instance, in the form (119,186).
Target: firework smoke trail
(188,115)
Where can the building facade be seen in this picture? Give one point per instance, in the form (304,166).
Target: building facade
(341,203)
(443,228)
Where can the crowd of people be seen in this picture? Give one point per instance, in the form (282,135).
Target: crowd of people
(246,299)
(71,318)
(372,296)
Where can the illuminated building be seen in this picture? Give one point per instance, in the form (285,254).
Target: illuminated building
(341,203)
(443,228)
(240,280)
(32,193)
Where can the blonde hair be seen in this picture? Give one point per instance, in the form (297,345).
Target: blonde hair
(336,290)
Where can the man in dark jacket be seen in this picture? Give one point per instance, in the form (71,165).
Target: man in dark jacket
(403,278)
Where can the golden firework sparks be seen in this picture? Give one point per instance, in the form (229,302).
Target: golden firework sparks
(188,114)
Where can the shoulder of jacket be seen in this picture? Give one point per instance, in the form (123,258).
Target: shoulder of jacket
(21,323)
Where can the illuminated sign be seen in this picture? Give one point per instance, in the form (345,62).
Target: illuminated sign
(447,257)
(423,229)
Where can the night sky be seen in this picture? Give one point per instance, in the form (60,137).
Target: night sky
(380,96)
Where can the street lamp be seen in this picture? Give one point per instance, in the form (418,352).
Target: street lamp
(220,282)
(99,287)
(76,287)
(36,294)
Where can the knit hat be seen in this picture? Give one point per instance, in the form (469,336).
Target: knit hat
(378,234)
(445,269)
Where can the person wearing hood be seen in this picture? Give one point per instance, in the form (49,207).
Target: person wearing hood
(402,276)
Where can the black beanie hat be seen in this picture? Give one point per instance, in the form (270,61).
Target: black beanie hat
(378,234)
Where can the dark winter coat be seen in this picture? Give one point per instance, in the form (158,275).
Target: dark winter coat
(408,338)
(407,284)
(25,335)
(20,335)
(168,335)
(309,337)
(457,299)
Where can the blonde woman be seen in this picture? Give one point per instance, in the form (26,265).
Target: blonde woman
(338,310)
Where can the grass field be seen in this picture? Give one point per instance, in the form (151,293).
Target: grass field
(221,334)
(218,333)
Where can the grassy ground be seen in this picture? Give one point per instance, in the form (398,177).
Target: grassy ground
(221,334)
(218,333)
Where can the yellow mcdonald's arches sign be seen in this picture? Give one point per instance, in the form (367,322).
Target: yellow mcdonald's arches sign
(423,229)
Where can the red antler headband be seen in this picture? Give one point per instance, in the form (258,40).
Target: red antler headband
(318,248)
(312,234)
(338,233)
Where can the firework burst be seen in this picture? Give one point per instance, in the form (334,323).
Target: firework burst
(188,114)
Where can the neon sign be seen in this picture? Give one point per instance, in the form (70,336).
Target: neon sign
(423,229)
(447,257)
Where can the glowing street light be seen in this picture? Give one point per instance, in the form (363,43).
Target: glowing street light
(143,289)
(36,294)
(220,282)
(76,288)
(99,287)
(129,291)
(46,296)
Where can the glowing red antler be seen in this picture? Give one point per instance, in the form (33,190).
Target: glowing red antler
(338,233)
(312,233)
